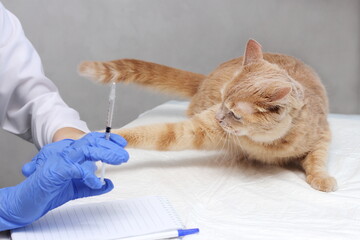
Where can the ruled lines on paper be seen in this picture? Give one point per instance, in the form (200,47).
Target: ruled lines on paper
(108,220)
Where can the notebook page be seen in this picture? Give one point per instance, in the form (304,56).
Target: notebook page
(108,220)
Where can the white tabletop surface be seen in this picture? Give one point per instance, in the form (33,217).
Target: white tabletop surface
(235,200)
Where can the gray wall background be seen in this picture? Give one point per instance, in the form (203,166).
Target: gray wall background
(195,35)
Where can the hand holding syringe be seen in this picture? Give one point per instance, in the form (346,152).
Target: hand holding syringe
(108,124)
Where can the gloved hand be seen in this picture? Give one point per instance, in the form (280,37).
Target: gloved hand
(60,172)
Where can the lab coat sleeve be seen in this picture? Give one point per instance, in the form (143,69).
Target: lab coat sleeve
(30,104)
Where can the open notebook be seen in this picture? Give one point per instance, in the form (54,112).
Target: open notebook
(107,220)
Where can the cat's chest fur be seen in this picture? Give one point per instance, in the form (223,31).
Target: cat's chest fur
(285,149)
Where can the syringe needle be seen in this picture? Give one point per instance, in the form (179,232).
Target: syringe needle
(108,124)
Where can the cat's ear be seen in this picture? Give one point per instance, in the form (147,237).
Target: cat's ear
(280,93)
(253,52)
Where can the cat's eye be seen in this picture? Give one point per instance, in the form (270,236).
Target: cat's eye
(232,114)
(274,109)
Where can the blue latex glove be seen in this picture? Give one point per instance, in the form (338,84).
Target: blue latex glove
(60,172)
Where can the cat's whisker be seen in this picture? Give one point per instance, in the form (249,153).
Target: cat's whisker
(223,141)
(232,153)
(220,157)
(240,151)
(237,149)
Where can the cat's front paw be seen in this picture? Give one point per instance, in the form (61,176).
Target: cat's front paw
(322,183)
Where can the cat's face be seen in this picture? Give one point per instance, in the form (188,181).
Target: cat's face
(256,103)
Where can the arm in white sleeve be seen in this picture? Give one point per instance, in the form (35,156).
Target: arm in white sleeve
(30,104)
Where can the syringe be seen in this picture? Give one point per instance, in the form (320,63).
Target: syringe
(108,124)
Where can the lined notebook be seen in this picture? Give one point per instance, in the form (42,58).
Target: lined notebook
(107,220)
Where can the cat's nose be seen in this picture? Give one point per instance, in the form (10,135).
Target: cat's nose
(220,117)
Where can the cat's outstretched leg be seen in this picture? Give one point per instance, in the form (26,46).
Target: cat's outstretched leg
(200,132)
(314,165)
(163,78)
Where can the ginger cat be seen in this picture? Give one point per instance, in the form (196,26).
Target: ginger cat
(266,107)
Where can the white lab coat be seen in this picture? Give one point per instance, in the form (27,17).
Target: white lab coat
(30,104)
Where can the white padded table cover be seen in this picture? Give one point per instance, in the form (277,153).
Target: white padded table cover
(233,201)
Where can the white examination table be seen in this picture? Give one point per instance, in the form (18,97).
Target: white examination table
(234,201)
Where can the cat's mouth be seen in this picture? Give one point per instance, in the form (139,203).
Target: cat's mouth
(236,132)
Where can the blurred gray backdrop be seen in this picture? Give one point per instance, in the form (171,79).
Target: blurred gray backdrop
(194,35)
